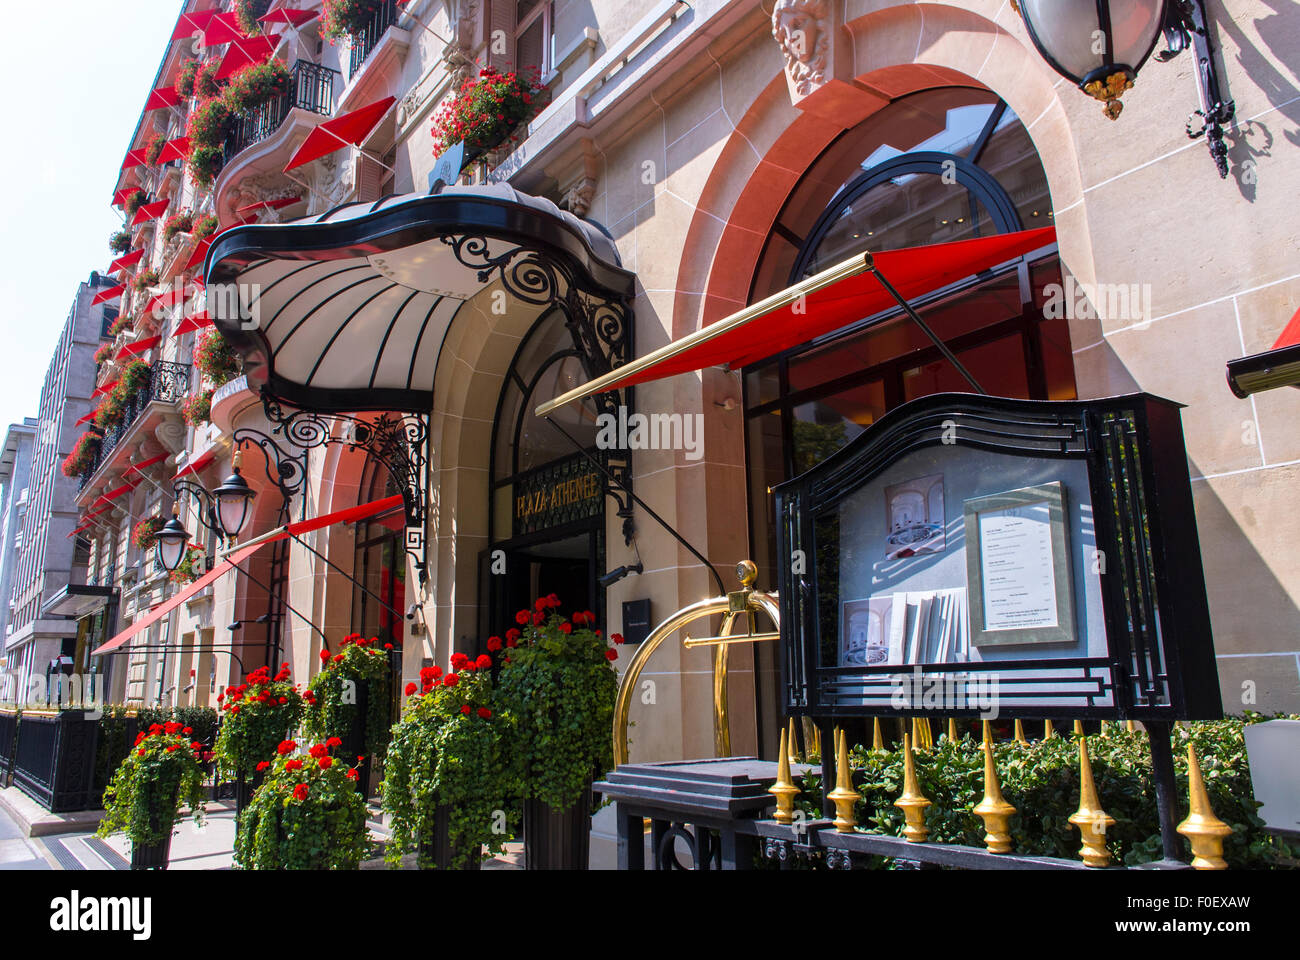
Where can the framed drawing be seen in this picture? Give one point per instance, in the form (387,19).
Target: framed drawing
(1018,567)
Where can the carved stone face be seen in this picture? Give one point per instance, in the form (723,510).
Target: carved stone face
(801,28)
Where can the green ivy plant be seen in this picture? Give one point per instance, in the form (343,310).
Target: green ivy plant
(258,716)
(1041,780)
(558,682)
(451,749)
(162,773)
(307,815)
(332,706)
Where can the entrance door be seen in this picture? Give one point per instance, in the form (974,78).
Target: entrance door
(563,566)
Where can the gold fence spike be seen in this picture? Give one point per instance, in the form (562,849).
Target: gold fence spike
(877,736)
(1090,818)
(952,729)
(1020,733)
(987,731)
(1078,728)
(794,743)
(1049,730)
(1202,828)
(994,809)
(843,796)
(1130,726)
(784,789)
(817,740)
(916,734)
(912,802)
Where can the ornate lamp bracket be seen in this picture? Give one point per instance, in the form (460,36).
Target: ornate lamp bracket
(397,441)
(1186,26)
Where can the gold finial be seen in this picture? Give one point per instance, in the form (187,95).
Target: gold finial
(1090,818)
(1078,728)
(1130,726)
(952,729)
(794,743)
(1020,734)
(237,460)
(877,735)
(987,731)
(747,573)
(817,740)
(843,796)
(784,789)
(994,809)
(176,509)
(912,802)
(1202,828)
(1049,730)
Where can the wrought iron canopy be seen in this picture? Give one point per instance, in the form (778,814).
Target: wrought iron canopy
(347,311)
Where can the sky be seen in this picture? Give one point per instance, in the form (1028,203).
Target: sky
(75,86)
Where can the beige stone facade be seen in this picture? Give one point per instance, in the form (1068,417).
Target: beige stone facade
(678,129)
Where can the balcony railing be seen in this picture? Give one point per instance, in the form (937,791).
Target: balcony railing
(311,88)
(168,383)
(366,41)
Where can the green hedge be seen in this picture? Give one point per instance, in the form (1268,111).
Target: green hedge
(1042,781)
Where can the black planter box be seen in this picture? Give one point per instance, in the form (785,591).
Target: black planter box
(557,839)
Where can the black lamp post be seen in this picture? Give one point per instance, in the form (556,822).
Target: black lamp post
(1100,45)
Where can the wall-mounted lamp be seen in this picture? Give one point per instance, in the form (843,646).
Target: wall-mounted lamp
(614,576)
(1100,45)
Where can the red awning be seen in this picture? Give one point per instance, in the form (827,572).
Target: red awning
(145,464)
(138,347)
(162,97)
(136,158)
(112,293)
(119,198)
(196,465)
(189,324)
(87,418)
(344,130)
(245,53)
(1278,366)
(1290,335)
(150,211)
(279,204)
(239,556)
(200,252)
(114,494)
(100,391)
(842,295)
(177,149)
(290,15)
(130,260)
(191,23)
(222,28)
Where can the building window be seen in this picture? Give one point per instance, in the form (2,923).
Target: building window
(521,36)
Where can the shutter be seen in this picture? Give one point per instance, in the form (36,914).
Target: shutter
(501,34)
(369,180)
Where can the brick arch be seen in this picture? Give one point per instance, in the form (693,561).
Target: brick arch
(897,50)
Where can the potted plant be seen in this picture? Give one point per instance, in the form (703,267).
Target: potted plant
(111,410)
(450,772)
(558,682)
(351,697)
(247,13)
(160,775)
(206,84)
(144,280)
(187,76)
(257,84)
(207,128)
(136,375)
(307,814)
(342,18)
(197,409)
(134,201)
(187,571)
(145,533)
(205,226)
(104,353)
(181,222)
(154,148)
(257,716)
(120,242)
(116,327)
(485,111)
(214,357)
(82,456)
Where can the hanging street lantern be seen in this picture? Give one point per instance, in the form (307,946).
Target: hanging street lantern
(1100,45)
(234,499)
(170,541)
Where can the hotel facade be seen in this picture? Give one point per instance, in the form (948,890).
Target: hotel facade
(684,162)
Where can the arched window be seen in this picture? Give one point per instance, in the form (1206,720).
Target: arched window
(380,564)
(942,165)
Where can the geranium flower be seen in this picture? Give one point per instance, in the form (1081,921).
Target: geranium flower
(333,742)
(286,747)
(352,774)
(483,662)
(300,792)
(485,713)
(521,617)
(611,655)
(293,765)
(263,765)
(410,689)
(616,637)
(450,680)
(325,762)
(318,751)
(494,644)
(465,709)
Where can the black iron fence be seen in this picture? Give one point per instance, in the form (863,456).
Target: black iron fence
(364,43)
(168,383)
(8,740)
(54,759)
(311,88)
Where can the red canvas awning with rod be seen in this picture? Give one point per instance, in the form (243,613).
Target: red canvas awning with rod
(861,287)
(112,293)
(230,562)
(192,323)
(150,211)
(177,149)
(129,260)
(222,28)
(190,24)
(101,390)
(1278,366)
(244,53)
(162,97)
(136,158)
(196,465)
(139,346)
(290,15)
(347,129)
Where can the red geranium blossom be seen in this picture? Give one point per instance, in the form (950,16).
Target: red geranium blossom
(483,662)
(485,713)
(300,792)
(286,746)
(616,637)
(410,689)
(611,655)
(465,709)
(325,762)
(494,644)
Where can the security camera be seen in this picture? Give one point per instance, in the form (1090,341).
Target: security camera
(614,576)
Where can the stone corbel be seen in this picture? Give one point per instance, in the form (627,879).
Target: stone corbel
(578,193)
(819,61)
